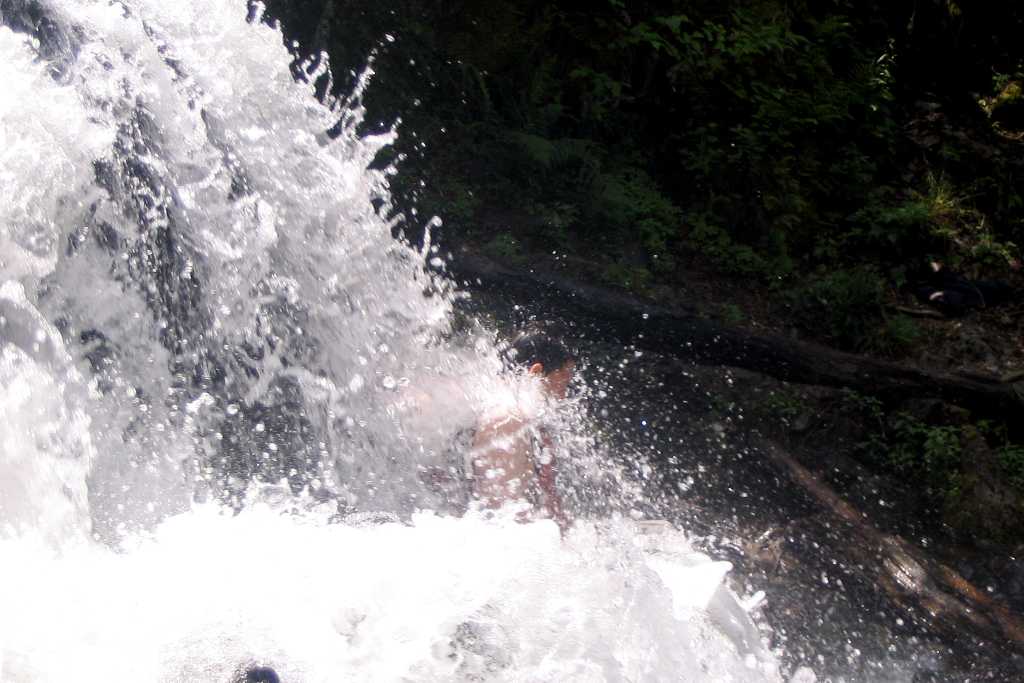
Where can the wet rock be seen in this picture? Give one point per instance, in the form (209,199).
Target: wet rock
(259,674)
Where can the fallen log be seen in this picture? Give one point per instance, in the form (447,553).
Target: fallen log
(682,332)
(907,575)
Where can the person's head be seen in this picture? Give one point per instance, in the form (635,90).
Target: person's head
(546,357)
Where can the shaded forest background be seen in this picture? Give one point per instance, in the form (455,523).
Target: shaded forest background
(818,153)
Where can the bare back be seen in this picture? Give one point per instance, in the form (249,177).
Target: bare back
(502,459)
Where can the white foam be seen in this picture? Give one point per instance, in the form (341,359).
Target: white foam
(47,143)
(210,593)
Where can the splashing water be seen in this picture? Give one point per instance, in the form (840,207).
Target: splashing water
(213,349)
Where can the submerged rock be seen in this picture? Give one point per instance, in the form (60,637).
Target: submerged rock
(260,674)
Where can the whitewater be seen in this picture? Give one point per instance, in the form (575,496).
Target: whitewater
(222,378)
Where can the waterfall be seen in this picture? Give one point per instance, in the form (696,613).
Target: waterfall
(222,378)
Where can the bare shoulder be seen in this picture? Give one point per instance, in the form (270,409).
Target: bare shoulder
(506,425)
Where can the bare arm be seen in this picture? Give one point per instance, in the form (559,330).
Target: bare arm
(546,481)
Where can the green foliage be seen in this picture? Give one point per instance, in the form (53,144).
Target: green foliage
(917,448)
(557,219)
(459,197)
(933,457)
(628,201)
(1011,460)
(769,137)
(732,314)
(843,307)
(846,309)
(715,243)
(1009,455)
(505,247)
(937,220)
(895,228)
(631,277)
(1001,81)
(966,239)
(898,335)
(784,406)
(547,155)
(796,117)
(1007,106)
(904,445)
(574,189)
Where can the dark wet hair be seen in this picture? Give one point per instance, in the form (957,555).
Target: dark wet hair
(259,674)
(537,347)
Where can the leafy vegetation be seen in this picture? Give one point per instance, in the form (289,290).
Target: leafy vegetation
(1011,458)
(846,308)
(909,447)
(934,454)
(766,135)
(784,406)
(836,144)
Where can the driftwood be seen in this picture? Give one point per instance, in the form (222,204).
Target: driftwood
(903,571)
(684,333)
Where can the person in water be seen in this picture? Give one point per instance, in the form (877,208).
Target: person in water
(512,456)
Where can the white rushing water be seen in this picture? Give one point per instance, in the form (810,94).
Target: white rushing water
(221,379)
